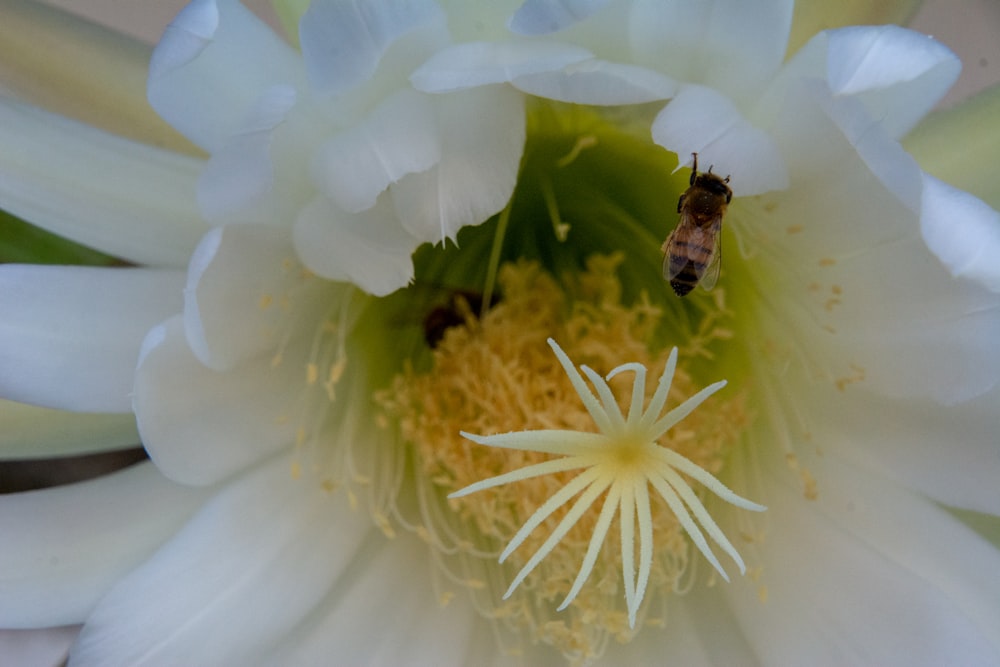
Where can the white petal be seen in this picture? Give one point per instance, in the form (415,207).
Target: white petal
(238,182)
(481,63)
(870,298)
(962,231)
(70,336)
(843,177)
(73,542)
(343,42)
(899,74)
(124,198)
(200,425)
(246,290)
(895,74)
(234,581)
(882,154)
(701,120)
(212,64)
(868,574)
(370,249)
(599,82)
(389,587)
(30,432)
(948,453)
(541,17)
(399,137)
(731,45)
(483,135)
(890,319)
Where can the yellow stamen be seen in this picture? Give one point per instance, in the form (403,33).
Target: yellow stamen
(620,461)
(500,377)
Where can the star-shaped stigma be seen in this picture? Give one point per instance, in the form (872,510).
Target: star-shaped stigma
(623,460)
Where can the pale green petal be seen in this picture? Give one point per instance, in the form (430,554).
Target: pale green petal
(28,431)
(123,198)
(82,70)
(961,145)
(812,16)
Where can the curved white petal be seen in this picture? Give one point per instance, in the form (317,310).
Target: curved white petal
(81,68)
(245,571)
(343,42)
(483,140)
(900,577)
(370,249)
(65,547)
(213,62)
(837,131)
(843,244)
(70,336)
(30,432)
(599,82)
(897,75)
(388,586)
(246,291)
(730,45)
(701,120)
(399,137)
(886,159)
(541,17)
(962,231)
(888,318)
(481,63)
(121,197)
(237,184)
(200,425)
(948,453)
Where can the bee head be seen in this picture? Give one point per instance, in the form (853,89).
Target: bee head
(714,184)
(709,181)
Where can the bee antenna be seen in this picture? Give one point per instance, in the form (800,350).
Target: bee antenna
(726,180)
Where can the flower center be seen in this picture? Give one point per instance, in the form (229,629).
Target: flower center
(463,357)
(496,374)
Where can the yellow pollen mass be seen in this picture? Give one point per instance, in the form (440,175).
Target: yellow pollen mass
(620,463)
(502,377)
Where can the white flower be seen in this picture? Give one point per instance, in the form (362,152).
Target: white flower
(304,437)
(333,142)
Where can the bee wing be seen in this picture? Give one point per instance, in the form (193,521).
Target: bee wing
(710,274)
(675,250)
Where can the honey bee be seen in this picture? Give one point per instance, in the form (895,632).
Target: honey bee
(692,253)
(462,307)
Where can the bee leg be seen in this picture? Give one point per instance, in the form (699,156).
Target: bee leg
(694,168)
